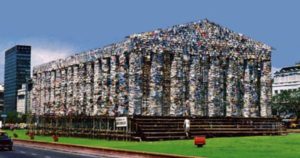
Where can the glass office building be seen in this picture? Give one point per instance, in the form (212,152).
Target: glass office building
(1,97)
(17,71)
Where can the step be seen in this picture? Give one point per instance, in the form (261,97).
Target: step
(163,132)
(164,137)
(223,129)
(161,129)
(234,132)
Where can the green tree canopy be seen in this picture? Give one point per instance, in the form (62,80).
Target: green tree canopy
(286,102)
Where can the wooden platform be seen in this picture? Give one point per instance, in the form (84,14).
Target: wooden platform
(158,128)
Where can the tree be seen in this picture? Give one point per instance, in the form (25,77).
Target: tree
(286,102)
(12,117)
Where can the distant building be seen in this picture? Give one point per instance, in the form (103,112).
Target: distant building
(28,96)
(21,100)
(17,71)
(1,98)
(288,78)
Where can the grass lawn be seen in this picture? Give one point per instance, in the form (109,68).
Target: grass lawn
(233,147)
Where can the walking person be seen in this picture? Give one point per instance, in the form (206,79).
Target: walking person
(186,126)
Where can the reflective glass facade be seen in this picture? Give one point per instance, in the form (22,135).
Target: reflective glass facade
(1,97)
(17,71)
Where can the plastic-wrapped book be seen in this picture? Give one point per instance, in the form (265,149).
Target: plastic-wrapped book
(198,68)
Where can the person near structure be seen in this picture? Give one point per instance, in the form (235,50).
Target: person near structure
(186,126)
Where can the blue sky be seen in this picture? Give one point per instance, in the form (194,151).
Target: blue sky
(58,28)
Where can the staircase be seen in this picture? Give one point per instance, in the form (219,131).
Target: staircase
(161,128)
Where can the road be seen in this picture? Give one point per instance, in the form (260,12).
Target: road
(29,152)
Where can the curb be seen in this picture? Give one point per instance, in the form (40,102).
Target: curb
(96,150)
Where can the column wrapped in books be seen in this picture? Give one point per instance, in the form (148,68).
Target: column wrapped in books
(97,87)
(89,88)
(69,99)
(232,87)
(205,64)
(112,89)
(43,92)
(81,95)
(254,106)
(123,84)
(156,84)
(57,89)
(135,83)
(176,85)
(75,103)
(265,89)
(214,104)
(105,69)
(194,85)
(63,92)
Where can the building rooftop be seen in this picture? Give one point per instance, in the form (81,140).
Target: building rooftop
(18,47)
(289,69)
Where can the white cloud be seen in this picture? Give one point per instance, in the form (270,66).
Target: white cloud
(44,54)
(42,51)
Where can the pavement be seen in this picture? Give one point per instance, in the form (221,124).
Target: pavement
(21,151)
